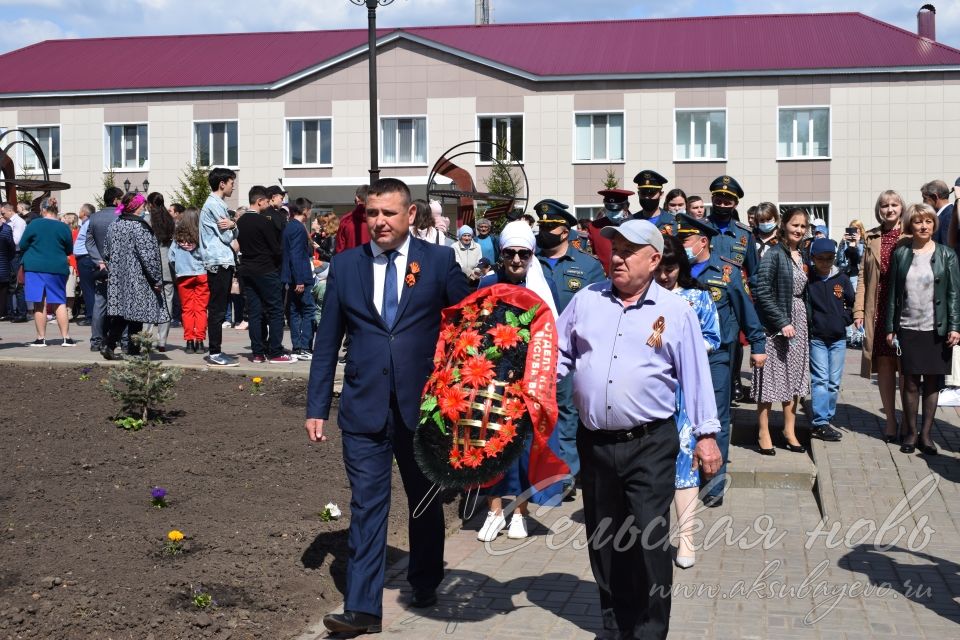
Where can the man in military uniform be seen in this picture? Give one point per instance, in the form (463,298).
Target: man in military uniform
(650,190)
(571,270)
(734,243)
(737,245)
(616,209)
(736,312)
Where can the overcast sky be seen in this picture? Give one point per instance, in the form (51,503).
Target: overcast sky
(23,23)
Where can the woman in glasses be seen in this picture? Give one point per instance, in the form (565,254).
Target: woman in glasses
(517,266)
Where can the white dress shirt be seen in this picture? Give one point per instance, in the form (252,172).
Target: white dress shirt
(19,226)
(380,270)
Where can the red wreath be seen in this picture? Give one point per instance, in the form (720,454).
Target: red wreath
(494,382)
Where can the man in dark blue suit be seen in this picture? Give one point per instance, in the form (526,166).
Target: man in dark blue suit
(386,295)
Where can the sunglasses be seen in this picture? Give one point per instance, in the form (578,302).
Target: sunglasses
(510,254)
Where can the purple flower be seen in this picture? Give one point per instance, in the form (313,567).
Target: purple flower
(86,370)
(158,493)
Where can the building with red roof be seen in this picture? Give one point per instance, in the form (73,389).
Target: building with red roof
(825,110)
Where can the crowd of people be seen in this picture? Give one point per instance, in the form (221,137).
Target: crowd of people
(654,311)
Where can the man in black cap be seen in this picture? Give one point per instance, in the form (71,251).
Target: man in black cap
(275,210)
(649,191)
(571,270)
(736,312)
(735,243)
(616,209)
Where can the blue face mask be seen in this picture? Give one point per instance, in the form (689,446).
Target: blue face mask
(767,227)
(691,256)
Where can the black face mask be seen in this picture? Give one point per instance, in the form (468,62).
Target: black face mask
(547,240)
(649,206)
(723,213)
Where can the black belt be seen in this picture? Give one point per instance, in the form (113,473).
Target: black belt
(625,435)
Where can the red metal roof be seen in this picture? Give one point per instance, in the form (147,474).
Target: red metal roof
(674,46)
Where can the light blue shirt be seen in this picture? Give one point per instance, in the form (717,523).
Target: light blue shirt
(620,382)
(80,244)
(215,243)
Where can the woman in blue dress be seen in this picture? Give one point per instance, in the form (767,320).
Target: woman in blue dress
(674,275)
(518,266)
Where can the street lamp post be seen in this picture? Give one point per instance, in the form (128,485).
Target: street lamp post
(372,52)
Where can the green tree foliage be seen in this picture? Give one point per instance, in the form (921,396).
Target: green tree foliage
(141,385)
(109,180)
(194,188)
(611,181)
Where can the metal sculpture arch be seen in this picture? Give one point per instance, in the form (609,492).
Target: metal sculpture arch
(463,190)
(8,170)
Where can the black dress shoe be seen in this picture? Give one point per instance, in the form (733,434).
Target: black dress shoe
(352,622)
(826,433)
(19,320)
(713,501)
(423,598)
(82,323)
(908,448)
(796,448)
(772,451)
(891,439)
(928,449)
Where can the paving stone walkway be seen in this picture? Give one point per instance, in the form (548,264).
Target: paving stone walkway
(766,573)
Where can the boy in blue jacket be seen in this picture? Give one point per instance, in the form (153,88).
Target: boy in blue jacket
(831,298)
(297,273)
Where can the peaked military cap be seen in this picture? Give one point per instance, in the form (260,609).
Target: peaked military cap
(649,179)
(690,226)
(615,195)
(727,186)
(553,212)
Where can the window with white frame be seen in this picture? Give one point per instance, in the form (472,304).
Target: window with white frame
(507,131)
(590,213)
(404,140)
(309,142)
(127,146)
(816,210)
(599,137)
(49,140)
(701,134)
(216,144)
(803,133)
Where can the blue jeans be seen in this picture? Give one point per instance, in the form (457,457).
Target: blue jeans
(300,308)
(264,300)
(85,272)
(826,371)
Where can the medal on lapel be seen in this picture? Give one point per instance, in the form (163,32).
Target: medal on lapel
(656,338)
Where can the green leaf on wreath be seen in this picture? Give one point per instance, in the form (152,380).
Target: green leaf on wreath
(512,319)
(471,351)
(527,317)
(492,353)
(429,403)
(456,374)
(438,419)
(524,335)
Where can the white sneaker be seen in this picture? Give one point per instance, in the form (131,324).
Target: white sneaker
(949,397)
(492,526)
(518,527)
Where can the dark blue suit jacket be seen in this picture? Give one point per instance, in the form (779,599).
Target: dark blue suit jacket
(407,348)
(296,266)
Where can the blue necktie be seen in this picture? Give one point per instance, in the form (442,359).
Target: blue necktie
(388,310)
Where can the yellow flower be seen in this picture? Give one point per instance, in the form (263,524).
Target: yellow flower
(257,380)
(175,536)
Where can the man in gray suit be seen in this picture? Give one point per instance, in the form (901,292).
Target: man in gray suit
(96,241)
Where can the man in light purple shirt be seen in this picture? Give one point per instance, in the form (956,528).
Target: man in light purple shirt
(629,343)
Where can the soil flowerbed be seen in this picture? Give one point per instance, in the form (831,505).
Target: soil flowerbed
(82,545)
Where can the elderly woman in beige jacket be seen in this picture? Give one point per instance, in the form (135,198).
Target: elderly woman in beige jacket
(468,254)
(870,308)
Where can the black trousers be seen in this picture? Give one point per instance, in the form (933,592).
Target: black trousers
(627,490)
(116,327)
(219,284)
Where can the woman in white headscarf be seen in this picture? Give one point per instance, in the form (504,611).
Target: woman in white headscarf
(468,253)
(518,266)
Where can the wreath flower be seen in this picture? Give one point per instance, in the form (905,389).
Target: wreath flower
(476,372)
(413,274)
